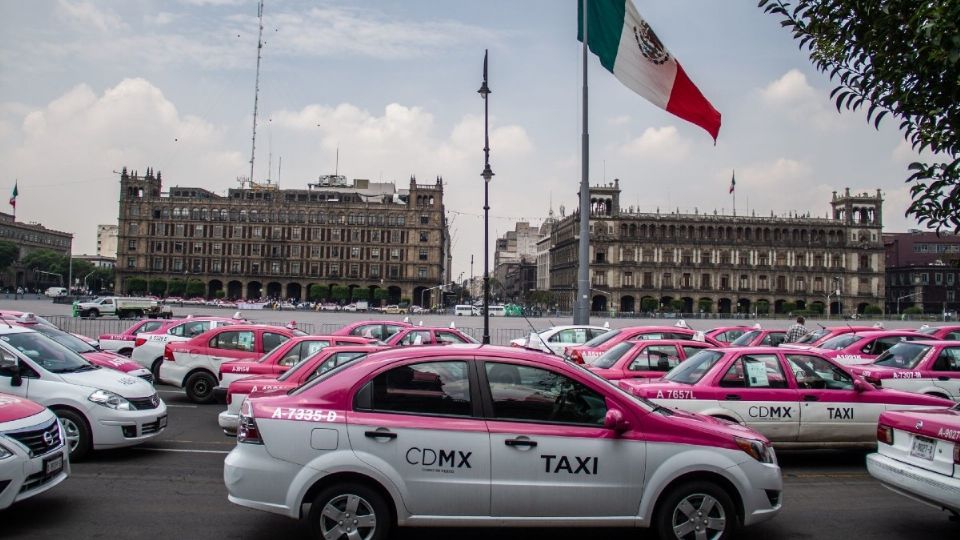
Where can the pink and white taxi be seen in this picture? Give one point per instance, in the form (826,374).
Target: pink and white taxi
(818,336)
(194,364)
(124,342)
(760,337)
(33,457)
(381,330)
(794,398)
(726,334)
(595,347)
(275,362)
(98,408)
(319,363)
(922,367)
(863,347)
(149,346)
(945,332)
(919,456)
(471,435)
(644,358)
(425,335)
(103,359)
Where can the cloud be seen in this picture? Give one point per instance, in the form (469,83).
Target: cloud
(160,19)
(792,96)
(658,143)
(86,15)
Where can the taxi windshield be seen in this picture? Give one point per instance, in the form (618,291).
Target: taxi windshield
(602,338)
(609,358)
(839,342)
(813,336)
(691,370)
(47,353)
(903,355)
(745,339)
(299,365)
(69,341)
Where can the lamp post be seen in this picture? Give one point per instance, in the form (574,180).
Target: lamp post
(837,280)
(904,297)
(487,174)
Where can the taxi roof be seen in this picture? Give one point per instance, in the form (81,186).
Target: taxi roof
(390,356)
(671,342)
(881,333)
(936,342)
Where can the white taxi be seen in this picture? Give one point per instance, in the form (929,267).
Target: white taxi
(149,346)
(475,435)
(558,338)
(98,408)
(33,457)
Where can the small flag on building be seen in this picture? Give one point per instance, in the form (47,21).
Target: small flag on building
(13,197)
(628,48)
(733,181)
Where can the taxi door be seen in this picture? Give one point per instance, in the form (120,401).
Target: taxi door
(755,389)
(945,372)
(419,424)
(224,347)
(831,410)
(550,454)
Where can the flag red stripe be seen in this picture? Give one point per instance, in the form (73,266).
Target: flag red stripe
(688,103)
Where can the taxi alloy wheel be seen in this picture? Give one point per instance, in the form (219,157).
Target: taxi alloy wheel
(697,510)
(76,433)
(199,387)
(350,511)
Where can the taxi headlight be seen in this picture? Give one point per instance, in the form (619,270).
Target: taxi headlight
(5,452)
(110,400)
(758,450)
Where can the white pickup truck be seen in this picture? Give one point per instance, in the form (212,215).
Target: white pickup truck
(123,307)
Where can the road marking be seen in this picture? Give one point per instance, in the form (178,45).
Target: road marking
(171,392)
(181,406)
(181,450)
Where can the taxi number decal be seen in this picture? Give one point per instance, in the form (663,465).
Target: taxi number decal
(309,415)
(675,394)
(239,369)
(906,374)
(266,388)
(158,338)
(840,413)
(762,411)
(840,357)
(585,465)
(952,434)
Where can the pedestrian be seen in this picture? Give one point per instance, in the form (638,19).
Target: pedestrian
(797,331)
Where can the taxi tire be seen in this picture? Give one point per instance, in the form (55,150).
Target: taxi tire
(199,387)
(663,517)
(73,421)
(155,368)
(378,505)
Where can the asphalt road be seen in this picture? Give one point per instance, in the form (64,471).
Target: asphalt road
(172,487)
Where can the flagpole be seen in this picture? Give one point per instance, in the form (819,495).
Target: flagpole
(581,313)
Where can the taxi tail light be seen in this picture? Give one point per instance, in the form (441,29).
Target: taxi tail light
(139,341)
(885,435)
(168,353)
(229,398)
(247,431)
(576,357)
(956,453)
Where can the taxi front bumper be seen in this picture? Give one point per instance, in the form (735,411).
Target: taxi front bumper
(116,429)
(763,490)
(934,489)
(22,476)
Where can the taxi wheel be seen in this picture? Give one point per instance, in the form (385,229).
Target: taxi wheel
(155,369)
(199,387)
(76,433)
(696,510)
(351,511)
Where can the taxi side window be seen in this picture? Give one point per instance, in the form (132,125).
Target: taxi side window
(593,332)
(150,326)
(880,345)
(332,362)
(194,328)
(655,358)
(271,341)
(689,351)
(953,336)
(816,373)
(368,331)
(949,360)
(755,371)
(532,394)
(233,341)
(430,388)
(417,337)
(773,340)
(449,337)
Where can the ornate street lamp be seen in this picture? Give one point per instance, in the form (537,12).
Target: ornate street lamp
(487,175)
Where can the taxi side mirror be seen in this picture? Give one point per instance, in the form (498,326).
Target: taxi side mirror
(10,367)
(615,421)
(860,386)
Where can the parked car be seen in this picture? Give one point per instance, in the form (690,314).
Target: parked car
(558,338)
(863,347)
(124,342)
(193,364)
(424,335)
(818,336)
(148,347)
(923,367)
(602,343)
(33,455)
(381,330)
(950,331)
(644,358)
(760,337)
(727,334)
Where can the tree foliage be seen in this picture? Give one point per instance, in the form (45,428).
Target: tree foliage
(8,254)
(136,285)
(316,292)
(158,287)
(176,287)
(195,288)
(899,58)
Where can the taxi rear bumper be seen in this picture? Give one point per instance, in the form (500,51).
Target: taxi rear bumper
(937,490)
(257,480)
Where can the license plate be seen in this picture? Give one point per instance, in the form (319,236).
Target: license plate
(52,465)
(923,448)
(163,422)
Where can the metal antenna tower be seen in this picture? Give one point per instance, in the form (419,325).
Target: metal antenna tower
(256,89)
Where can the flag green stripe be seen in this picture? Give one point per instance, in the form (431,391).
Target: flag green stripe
(605,18)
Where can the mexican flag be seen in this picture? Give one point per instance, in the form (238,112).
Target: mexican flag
(13,197)
(628,48)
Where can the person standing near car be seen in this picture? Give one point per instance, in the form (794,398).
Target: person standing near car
(797,331)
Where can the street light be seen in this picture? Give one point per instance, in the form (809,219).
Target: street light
(899,298)
(487,174)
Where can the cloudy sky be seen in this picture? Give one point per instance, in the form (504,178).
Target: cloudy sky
(89,87)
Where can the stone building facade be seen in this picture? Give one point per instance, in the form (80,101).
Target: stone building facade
(721,263)
(923,271)
(29,237)
(260,241)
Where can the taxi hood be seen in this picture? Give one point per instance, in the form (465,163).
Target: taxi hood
(15,408)
(114,381)
(112,361)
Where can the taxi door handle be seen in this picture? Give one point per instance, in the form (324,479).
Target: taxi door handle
(380,434)
(732,397)
(943,378)
(520,442)
(809,397)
